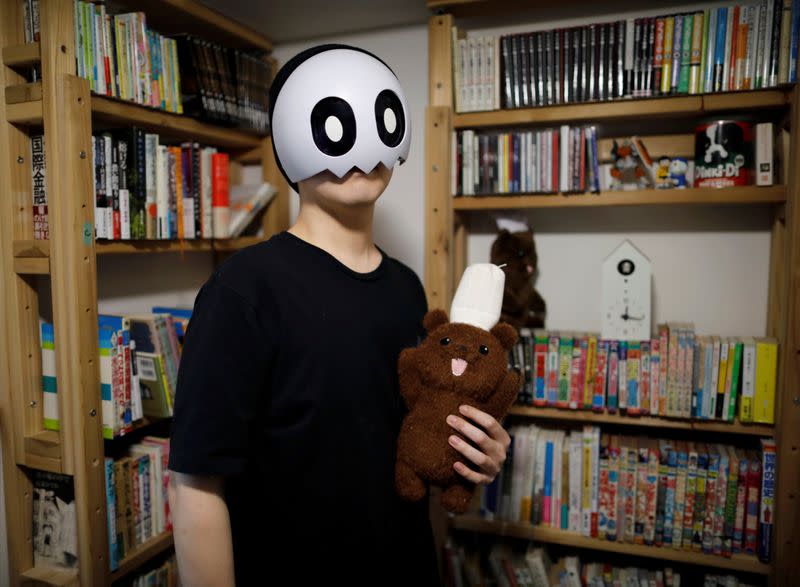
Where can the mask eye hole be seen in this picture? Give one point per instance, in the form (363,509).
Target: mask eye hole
(389,118)
(445,341)
(483,349)
(333,126)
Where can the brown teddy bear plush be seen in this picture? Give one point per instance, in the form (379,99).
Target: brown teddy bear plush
(456,364)
(523,307)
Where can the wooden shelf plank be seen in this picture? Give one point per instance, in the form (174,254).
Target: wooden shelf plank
(32,266)
(119,112)
(736,195)
(50,576)
(104,247)
(32,256)
(628,109)
(25,113)
(25,55)
(738,562)
(186,16)
(235,244)
(585,416)
(141,554)
(30,92)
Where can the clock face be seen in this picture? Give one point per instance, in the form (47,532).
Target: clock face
(625,306)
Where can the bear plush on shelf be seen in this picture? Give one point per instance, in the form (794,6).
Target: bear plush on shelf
(461,361)
(523,307)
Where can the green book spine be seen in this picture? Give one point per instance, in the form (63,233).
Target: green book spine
(686,54)
(737,365)
(564,364)
(703,54)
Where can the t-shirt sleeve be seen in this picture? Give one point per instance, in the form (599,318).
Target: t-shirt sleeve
(221,381)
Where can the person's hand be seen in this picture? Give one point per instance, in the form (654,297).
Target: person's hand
(491,440)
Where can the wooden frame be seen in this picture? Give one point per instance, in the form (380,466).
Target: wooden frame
(60,105)
(445,259)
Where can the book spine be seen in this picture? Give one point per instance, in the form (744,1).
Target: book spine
(111,513)
(740,502)
(612,524)
(655,372)
(41,230)
(750,542)
(552,369)
(720,500)
(766,369)
(669,495)
(748,381)
(690,495)
(767,506)
(680,497)
(613,375)
(599,396)
(700,504)
(732,498)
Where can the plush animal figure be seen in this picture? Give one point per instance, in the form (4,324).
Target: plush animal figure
(456,364)
(523,307)
(628,172)
(677,172)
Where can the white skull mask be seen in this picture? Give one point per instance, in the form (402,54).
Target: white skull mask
(339,109)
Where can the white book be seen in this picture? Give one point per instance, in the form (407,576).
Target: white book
(765,168)
(125,214)
(521,448)
(497,80)
(480,65)
(538,476)
(575,479)
(563,167)
(530,470)
(206,189)
(463,85)
(161,194)
(151,148)
(595,473)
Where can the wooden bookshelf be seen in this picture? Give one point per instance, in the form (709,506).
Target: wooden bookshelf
(747,195)
(448,220)
(116,112)
(737,562)
(677,106)
(61,106)
(141,554)
(589,417)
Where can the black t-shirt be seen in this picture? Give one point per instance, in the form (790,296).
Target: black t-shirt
(288,388)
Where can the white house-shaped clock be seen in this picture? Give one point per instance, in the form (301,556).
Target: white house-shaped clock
(626,294)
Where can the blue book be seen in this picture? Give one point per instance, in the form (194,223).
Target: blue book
(719,50)
(548,482)
(793,40)
(111,511)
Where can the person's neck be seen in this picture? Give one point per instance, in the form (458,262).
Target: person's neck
(345,233)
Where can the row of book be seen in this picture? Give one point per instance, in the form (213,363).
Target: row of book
(139,357)
(676,374)
(123,58)
(739,47)
(550,160)
(224,85)
(526,564)
(530,565)
(165,575)
(146,190)
(137,502)
(710,498)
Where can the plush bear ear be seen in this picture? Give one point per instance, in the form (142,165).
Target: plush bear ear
(506,334)
(434,319)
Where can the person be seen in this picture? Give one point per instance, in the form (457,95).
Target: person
(287,408)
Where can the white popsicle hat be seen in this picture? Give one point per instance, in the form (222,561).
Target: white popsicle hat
(479,296)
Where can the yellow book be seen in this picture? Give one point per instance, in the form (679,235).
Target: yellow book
(766,371)
(666,70)
(724,353)
(589,368)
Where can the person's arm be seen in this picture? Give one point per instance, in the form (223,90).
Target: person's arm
(202,530)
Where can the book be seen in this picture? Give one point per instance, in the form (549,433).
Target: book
(41,225)
(767,505)
(49,381)
(55,530)
(765,380)
(246,201)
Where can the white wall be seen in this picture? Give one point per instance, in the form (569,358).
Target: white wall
(399,226)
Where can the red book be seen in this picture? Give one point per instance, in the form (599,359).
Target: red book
(220,195)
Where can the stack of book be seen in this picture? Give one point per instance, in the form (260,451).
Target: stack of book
(710,498)
(136,496)
(224,85)
(739,47)
(122,58)
(549,160)
(676,374)
(139,358)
